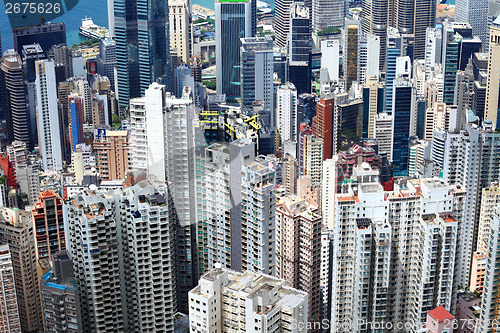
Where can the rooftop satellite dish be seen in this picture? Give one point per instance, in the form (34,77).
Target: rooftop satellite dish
(218,265)
(93,187)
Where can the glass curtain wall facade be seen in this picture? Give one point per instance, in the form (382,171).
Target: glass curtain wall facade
(142,46)
(233,20)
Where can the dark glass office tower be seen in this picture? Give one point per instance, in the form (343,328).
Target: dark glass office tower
(142,46)
(46,35)
(233,20)
(299,48)
(14,97)
(402,96)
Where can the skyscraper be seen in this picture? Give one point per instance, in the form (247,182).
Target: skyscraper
(9,314)
(476,13)
(298,231)
(282,21)
(373,104)
(408,16)
(493,84)
(49,225)
(233,21)
(47,35)
(327,14)
(49,130)
(323,124)
(299,48)
(112,151)
(402,114)
(240,205)
(181,34)
(394,51)
(375,16)
(350,60)
(106,61)
(286,111)
(14,98)
(115,271)
(142,46)
(161,143)
(61,296)
(16,231)
(257,74)
(424,17)
(260,296)
(375,249)
(488,319)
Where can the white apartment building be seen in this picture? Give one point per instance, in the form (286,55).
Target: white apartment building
(368,57)
(240,208)
(384,131)
(423,218)
(418,154)
(490,200)
(313,157)
(258,212)
(126,281)
(49,135)
(328,190)
(9,314)
(469,159)
(488,320)
(286,112)
(433,49)
(229,301)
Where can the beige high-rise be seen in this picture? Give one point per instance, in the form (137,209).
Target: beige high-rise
(16,230)
(180,30)
(112,154)
(492,86)
(298,246)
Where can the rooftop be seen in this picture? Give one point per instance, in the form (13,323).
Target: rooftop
(440,314)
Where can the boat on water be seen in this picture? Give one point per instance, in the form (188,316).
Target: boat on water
(90,30)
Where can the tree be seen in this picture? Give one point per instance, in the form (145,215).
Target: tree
(210,84)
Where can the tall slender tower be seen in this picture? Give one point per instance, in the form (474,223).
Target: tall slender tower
(233,20)
(282,21)
(492,87)
(142,46)
(16,231)
(9,313)
(49,134)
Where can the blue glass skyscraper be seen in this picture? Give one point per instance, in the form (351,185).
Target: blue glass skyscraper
(233,20)
(142,46)
(394,51)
